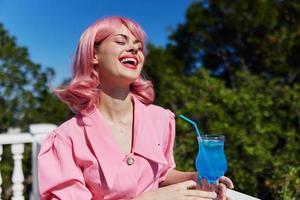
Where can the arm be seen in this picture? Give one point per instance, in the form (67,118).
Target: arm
(182,191)
(59,175)
(175,176)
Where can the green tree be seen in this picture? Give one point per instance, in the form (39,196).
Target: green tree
(261,37)
(25,98)
(24,88)
(252,47)
(260,119)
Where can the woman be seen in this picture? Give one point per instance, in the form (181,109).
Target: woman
(118,146)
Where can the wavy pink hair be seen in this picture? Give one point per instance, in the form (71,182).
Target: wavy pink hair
(83,90)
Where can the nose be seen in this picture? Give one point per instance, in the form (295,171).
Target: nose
(133,49)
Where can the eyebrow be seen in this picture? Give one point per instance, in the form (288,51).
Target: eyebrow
(126,38)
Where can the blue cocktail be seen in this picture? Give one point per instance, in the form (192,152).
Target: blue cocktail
(211,161)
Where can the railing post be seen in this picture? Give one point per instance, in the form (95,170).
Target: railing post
(38,131)
(1,151)
(18,176)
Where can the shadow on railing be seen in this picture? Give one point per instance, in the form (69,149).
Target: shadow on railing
(36,134)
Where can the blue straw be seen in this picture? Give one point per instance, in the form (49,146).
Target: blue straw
(192,122)
(199,135)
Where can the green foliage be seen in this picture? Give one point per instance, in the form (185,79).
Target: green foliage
(287,183)
(251,35)
(251,47)
(24,94)
(24,99)
(260,119)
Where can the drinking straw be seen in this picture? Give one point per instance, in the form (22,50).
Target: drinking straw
(200,138)
(193,123)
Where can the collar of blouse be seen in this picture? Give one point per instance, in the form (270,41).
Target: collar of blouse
(109,154)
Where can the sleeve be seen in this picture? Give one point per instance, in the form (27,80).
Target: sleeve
(169,146)
(58,174)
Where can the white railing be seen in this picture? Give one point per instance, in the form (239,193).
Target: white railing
(17,140)
(37,132)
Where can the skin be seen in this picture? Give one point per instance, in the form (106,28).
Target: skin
(115,105)
(116,109)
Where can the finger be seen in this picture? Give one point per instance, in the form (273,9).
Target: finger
(227,181)
(205,185)
(221,191)
(181,186)
(201,194)
(188,184)
(195,177)
(204,181)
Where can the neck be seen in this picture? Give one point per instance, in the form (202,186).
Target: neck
(115,104)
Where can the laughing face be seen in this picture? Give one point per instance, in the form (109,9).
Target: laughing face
(119,58)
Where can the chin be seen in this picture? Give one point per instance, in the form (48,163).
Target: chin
(130,75)
(126,79)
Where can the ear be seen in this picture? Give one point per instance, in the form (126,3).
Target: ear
(95,59)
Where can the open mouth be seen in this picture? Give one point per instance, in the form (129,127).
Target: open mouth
(130,62)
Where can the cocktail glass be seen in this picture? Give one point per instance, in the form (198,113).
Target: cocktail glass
(211,161)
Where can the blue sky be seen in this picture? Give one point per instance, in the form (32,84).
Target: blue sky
(50,29)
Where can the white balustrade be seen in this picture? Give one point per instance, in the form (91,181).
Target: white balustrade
(234,195)
(37,132)
(18,176)
(17,140)
(1,151)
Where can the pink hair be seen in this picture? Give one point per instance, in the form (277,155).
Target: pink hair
(83,90)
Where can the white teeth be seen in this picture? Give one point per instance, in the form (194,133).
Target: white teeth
(129,60)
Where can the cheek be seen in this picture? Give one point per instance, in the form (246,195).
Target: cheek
(109,52)
(108,58)
(142,60)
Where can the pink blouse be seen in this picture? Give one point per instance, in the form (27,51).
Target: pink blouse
(81,159)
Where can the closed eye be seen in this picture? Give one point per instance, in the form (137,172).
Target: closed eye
(140,47)
(121,43)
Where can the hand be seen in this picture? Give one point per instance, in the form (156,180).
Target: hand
(180,191)
(221,187)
